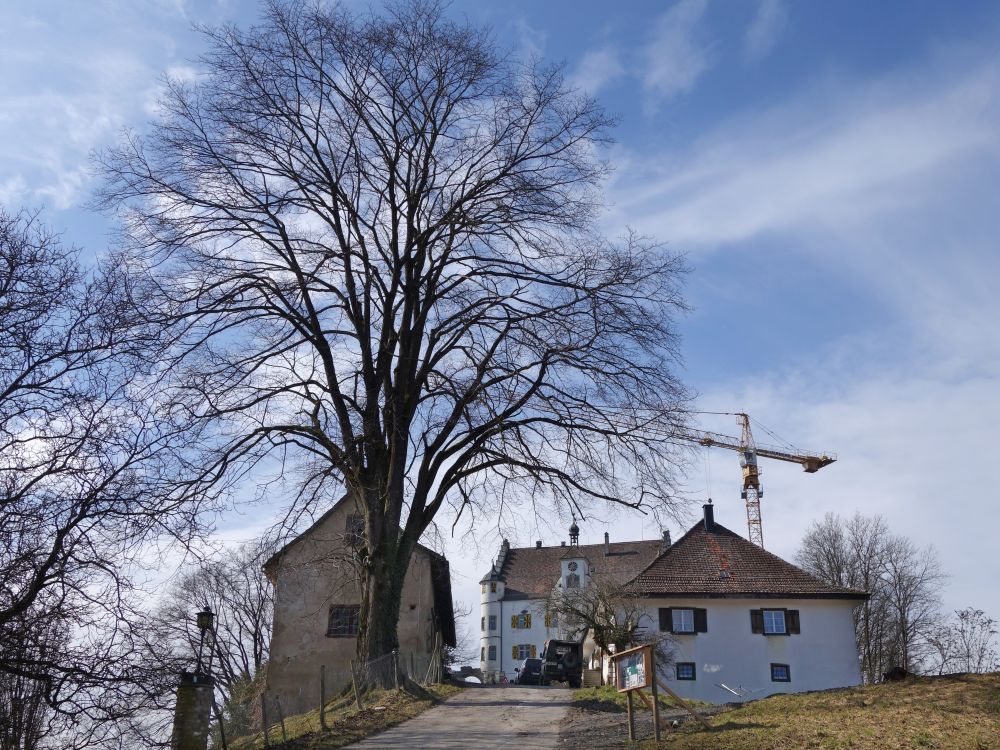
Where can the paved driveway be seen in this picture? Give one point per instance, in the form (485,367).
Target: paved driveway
(526,718)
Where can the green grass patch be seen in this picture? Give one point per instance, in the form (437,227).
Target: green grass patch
(607,698)
(957,712)
(345,723)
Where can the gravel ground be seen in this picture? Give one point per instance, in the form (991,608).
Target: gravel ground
(525,718)
(594,725)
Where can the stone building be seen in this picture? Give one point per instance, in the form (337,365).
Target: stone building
(317,602)
(738,621)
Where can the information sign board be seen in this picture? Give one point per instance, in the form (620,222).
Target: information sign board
(634,669)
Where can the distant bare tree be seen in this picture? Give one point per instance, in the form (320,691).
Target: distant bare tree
(376,240)
(965,643)
(893,625)
(83,456)
(611,615)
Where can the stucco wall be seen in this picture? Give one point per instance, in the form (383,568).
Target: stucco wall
(313,575)
(505,637)
(824,655)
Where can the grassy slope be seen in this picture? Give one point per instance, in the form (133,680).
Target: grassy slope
(959,712)
(345,724)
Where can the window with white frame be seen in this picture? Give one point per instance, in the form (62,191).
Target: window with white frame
(523,651)
(774,622)
(493,653)
(683,620)
(685,670)
(493,622)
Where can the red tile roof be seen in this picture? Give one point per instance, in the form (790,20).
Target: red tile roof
(531,572)
(722,563)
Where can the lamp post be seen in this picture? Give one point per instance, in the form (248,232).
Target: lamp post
(195,692)
(206,624)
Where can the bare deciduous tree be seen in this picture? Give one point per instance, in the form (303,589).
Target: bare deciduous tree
(83,456)
(893,625)
(375,238)
(965,643)
(234,586)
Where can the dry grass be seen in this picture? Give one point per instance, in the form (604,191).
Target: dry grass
(607,698)
(959,712)
(345,723)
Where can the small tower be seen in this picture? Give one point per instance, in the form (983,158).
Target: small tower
(491,610)
(574,534)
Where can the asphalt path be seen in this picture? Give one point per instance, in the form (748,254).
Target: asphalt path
(526,718)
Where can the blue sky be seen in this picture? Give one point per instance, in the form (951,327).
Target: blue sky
(830,170)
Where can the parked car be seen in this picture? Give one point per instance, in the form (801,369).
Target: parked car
(529,673)
(562,661)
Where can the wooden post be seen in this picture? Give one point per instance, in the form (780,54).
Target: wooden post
(656,701)
(631,715)
(649,704)
(322,697)
(682,703)
(395,667)
(281,718)
(413,667)
(354,680)
(263,718)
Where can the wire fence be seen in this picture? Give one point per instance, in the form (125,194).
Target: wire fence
(390,671)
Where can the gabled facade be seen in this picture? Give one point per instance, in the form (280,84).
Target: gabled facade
(317,601)
(739,621)
(514,593)
(743,623)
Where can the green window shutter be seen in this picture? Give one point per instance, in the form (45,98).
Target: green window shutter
(533,651)
(513,651)
(701,621)
(513,621)
(792,621)
(527,621)
(756,621)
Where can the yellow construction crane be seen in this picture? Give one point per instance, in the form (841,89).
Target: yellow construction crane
(749,452)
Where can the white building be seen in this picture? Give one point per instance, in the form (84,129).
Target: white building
(513,623)
(740,621)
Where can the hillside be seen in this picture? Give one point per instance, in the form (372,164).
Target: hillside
(958,712)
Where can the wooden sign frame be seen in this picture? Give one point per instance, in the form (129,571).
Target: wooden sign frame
(642,654)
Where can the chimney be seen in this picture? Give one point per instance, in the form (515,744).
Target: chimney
(665,544)
(709,516)
(538,544)
(607,543)
(562,543)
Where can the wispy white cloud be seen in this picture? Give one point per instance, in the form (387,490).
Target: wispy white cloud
(530,40)
(767,25)
(676,55)
(596,69)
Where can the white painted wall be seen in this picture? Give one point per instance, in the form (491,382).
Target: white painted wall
(824,655)
(505,636)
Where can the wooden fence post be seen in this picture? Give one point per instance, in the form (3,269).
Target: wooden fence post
(322,697)
(263,718)
(281,718)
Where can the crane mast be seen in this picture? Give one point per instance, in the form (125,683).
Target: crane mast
(749,451)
